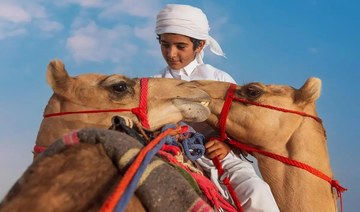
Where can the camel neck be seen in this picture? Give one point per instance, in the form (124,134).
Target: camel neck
(294,187)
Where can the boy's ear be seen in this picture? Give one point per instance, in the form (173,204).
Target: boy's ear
(201,46)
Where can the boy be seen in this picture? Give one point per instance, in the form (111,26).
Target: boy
(183,33)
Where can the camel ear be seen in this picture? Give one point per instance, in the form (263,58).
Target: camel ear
(309,92)
(57,77)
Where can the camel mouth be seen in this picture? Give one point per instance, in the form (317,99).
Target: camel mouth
(205,103)
(196,111)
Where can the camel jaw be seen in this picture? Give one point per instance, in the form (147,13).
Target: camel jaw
(193,111)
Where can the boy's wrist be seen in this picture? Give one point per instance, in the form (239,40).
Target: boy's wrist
(230,155)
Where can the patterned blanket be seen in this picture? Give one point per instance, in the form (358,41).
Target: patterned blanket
(161,187)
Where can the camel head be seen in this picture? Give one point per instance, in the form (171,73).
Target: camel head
(281,120)
(258,125)
(167,101)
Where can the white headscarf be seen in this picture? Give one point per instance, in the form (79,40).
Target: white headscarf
(189,21)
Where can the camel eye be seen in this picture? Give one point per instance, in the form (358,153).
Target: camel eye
(119,87)
(253,92)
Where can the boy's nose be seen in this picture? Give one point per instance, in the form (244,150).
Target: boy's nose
(171,52)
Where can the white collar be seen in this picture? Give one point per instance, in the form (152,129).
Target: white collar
(187,69)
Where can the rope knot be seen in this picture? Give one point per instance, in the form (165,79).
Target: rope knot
(135,111)
(335,184)
(226,181)
(141,114)
(339,189)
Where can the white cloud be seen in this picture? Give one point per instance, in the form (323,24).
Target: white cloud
(156,54)
(83,3)
(18,17)
(116,43)
(83,47)
(139,8)
(93,43)
(80,21)
(146,33)
(12,19)
(36,11)
(13,13)
(9,30)
(49,26)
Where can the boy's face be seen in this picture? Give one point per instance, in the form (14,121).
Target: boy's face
(178,50)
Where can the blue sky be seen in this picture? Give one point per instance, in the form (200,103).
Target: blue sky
(277,42)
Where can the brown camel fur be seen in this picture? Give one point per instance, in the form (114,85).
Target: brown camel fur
(168,101)
(290,135)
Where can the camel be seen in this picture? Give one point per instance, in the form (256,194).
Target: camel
(298,136)
(80,178)
(168,101)
(294,189)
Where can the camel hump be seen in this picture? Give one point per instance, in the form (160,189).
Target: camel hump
(309,92)
(57,77)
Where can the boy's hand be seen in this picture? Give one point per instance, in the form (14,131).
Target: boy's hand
(216,148)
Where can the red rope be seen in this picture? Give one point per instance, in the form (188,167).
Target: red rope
(222,127)
(226,181)
(225,110)
(334,183)
(39,149)
(206,186)
(278,108)
(143,103)
(86,111)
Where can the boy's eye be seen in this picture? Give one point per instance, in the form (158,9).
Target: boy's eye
(181,46)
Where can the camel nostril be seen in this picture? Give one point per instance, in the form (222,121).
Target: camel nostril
(116,120)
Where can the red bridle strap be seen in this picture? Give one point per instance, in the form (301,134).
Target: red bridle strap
(230,97)
(291,162)
(225,110)
(86,112)
(278,108)
(140,112)
(222,127)
(334,183)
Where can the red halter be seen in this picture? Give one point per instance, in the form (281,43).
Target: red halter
(230,97)
(140,112)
